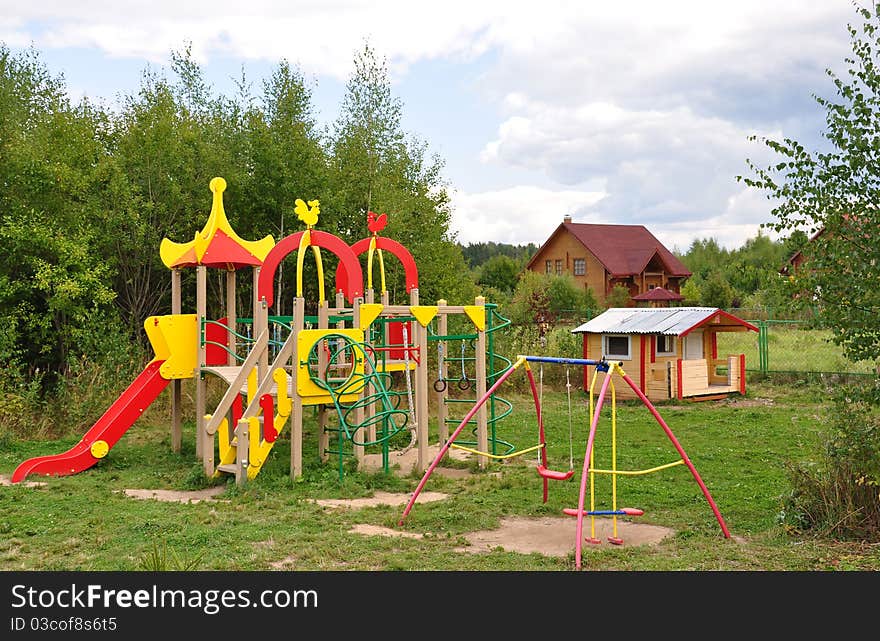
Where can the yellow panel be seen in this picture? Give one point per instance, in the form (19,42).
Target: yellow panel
(305,386)
(283,403)
(170,252)
(156,338)
(174,339)
(328,400)
(394,366)
(477,314)
(369,313)
(424,313)
(254,460)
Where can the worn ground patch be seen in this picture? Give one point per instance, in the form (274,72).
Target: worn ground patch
(749,402)
(6,480)
(380,498)
(287,563)
(378,530)
(402,462)
(177,496)
(555,536)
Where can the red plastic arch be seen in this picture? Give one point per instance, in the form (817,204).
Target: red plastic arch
(411,272)
(350,283)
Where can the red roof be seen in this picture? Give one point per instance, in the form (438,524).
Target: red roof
(658,293)
(623,249)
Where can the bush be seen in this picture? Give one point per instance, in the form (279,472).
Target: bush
(618,297)
(840,497)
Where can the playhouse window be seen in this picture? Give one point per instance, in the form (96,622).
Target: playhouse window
(665,345)
(548,266)
(580,266)
(559,266)
(616,347)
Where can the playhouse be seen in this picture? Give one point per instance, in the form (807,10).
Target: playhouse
(673,351)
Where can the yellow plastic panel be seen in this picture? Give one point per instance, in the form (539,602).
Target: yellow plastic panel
(174,339)
(477,314)
(369,313)
(424,313)
(305,386)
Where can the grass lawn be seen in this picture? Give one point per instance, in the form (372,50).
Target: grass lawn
(86,522)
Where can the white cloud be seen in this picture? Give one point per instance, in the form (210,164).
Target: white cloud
(319,35)
(655,100)
(518,215)
(657,165)
(548,43)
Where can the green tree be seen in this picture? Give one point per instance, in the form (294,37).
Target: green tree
(716,292)
(286,161)
(566,298)
(617,297)
(530,303)
(837,190)
(54,164)
(691,292)
(704,256)
(500,272)
(375,166)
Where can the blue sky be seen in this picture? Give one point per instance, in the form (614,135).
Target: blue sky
(625,113)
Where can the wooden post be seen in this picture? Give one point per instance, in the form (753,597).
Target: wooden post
(176,384)
(369,410)
(340,305)
(323,435)
(359,410)
(443,372)
(480,375)
(230,317)
(204,441)
(296,417)
(260,322)
(421,385)
(296,414)
(242,450)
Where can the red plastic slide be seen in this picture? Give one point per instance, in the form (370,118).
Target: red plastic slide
(104,434)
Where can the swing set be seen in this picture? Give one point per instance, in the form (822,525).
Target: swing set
(588,472)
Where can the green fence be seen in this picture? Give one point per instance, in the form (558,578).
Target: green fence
(790,346)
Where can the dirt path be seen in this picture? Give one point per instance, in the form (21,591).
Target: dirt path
(555,536)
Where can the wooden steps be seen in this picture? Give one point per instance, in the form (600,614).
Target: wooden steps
(229,373)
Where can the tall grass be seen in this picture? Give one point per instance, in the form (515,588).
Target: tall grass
(838,494)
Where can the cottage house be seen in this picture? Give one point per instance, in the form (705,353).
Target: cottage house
(602,256)
(668,352)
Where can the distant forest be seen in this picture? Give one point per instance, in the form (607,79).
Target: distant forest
(475,254)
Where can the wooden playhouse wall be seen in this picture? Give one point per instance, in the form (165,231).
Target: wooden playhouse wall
(659,380)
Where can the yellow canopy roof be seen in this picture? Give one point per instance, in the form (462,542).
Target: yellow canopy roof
(217,245)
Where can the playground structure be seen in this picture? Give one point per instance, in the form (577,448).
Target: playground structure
(343,361)
(589,469)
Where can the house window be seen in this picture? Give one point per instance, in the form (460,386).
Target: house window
(665,345)
(559,267)
(548,266)
(580,266)
(616,347)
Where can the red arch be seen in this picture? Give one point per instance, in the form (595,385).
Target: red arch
(351,282)
(411,272)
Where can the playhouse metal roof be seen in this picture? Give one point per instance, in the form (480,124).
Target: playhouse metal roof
(676,321)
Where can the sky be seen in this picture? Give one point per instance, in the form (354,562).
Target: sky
(636,112)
